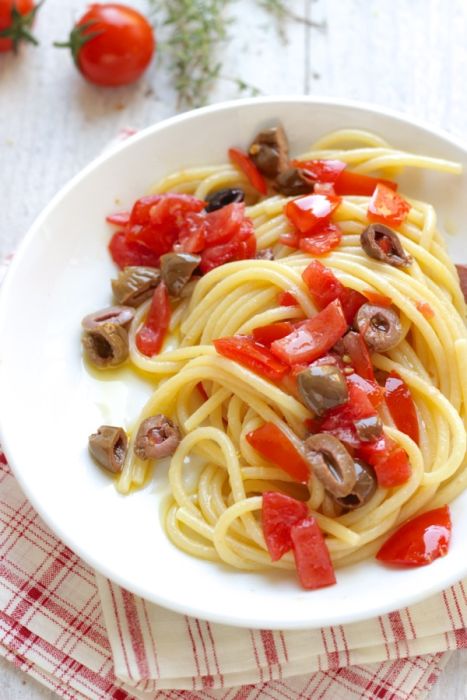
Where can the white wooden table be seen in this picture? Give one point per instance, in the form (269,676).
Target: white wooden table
(410,55)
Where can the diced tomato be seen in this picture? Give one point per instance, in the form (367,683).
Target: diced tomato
(321,170)
(371,388)
(387,207)
(310,210)
(222,224)
(357,349)
(150,337)
(340,421)
(401,406)
(275,446)
(349,183)
(324,188)
(279,513)
(120,218)
(324,287)
(390,461)
(324,239)
(419,541)
(156,220)
(241,247)
(286,299)
(377,298)
(249,169)
(126,252)
(313,337)
(290,239)
(191,233)
(314,566)
(247,352)
(267,334)
(425,309)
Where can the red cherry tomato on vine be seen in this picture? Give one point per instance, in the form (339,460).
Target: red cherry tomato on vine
(111,44)
(16,20)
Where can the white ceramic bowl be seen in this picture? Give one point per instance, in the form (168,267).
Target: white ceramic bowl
(50,404)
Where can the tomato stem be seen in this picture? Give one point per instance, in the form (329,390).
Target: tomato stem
(78,39)
(20,25)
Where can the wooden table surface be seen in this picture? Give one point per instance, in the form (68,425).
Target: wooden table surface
(409,55)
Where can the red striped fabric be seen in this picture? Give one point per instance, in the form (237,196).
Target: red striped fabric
(98,642)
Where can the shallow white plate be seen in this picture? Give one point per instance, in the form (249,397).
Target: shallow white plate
(50,404)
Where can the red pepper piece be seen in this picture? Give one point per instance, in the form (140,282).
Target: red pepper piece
(313,337)
(419,541)
(357,350)
(401,406)
(150,337)
(310,210)
(325,238)
(286,299)
(120,218)
(268,334)
(377,298)
(314,566)
(387,207)
(390,461)
(249,169)
(279,513)
(321,170)
(349,183)
(275,446)
(126,252)
(247,352)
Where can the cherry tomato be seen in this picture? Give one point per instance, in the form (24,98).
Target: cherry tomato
(150,336)
(357,349)
(111,44)
(279,513)
(340,421)
(324,239)
(252,355)
(286,298)
(390,461)
(274,331)
(125,252)
(419,541)
(314,566)
(324,287)
(312,338)
(387,207)
(275,446)
(401,406)
(16,20)
(249,169)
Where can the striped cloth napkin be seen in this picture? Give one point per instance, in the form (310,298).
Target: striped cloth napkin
(86,638)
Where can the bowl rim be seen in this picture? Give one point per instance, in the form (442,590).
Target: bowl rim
(114,150)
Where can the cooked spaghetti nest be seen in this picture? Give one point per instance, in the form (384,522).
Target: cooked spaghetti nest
(217,478)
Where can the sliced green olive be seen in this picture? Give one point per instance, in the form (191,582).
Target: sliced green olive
(322,387)
(109,446)
(177,269)
(331,463)
(135,284)
(106,345)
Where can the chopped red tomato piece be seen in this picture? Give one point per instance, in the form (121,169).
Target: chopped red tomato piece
(419,541)
(310,210)
(126,252)
(314,566)
(349,183)
(325,238)
(290,239)
(390,461)
(371,388)
(401,406)
(313,337)
(387,207)
(321,170)
(324,188)
(275,446)
(120,218)
(222,224)
(268,334)
(286,299)
(377,298)
(150,336)
(241,246)
(279,513)
(249,169)
(340,421)
(324,287)
(247,352)
(357,350)
(425,309)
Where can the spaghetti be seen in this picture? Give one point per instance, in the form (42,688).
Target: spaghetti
(217,478)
